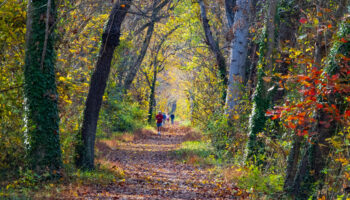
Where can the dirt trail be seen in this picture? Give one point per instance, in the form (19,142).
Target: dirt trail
(153,173)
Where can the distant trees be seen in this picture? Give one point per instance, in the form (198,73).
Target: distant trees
(158,66)
(42,120)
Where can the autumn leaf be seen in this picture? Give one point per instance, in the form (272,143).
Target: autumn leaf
(319,106)
(343,40)
(303,20)
(275,117)
(347,113)
(267,79)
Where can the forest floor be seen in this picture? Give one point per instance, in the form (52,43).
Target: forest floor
(152,171)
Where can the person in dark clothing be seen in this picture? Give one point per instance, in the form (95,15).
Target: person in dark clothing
(172,117)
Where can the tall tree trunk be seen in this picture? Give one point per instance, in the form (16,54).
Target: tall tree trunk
(238,54)
(214,47)
(262,97)
(110,40)
(43,144)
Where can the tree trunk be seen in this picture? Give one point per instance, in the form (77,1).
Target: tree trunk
(292,163)
(271,33)
(262,97)
(110,40)
(230,14)
(238,55)
(136,66)
(214,47)
(43,144)
(152,95)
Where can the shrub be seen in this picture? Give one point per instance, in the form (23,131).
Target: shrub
(197,152)
(255,180)
(120,116)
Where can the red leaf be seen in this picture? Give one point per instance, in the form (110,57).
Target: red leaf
(292,126)
(343,40)
(302,114)
(334,107)
(268,113)
(319,106)
(334,77)
(305,132)
(303,20)
(312,92)
(275,117)
(347,113)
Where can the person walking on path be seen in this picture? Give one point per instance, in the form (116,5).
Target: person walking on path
(172,117)
(164,118)
(159,119)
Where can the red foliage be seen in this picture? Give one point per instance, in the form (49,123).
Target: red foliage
(303,20)
(315,88)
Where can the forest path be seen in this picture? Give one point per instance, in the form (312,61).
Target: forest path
(152,172)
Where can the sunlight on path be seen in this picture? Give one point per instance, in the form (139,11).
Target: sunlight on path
(153,173)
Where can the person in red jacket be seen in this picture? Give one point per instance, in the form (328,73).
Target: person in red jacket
(159,119)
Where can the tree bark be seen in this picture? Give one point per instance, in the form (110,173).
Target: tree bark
(152,95)
(214,47)
(230,14)
(238,55)
(292,163)
(110,40)
(42,120)
(271,33)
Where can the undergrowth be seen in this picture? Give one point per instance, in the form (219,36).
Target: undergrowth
(31,185)
(197,153)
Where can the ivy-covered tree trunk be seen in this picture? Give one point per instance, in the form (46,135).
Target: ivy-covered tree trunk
(262,97)
(309,174)
(110,40)
(42,134)
(257,120)
(238,55)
